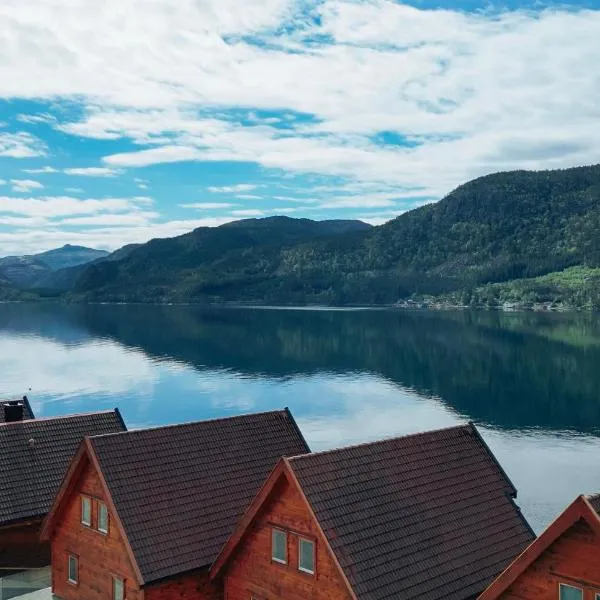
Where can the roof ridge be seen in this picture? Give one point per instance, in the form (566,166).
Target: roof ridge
(187,423)
(465,426)
(592,496)
(59,417)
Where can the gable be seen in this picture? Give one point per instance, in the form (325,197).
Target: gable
(581,511)
(70,533)
(573,559)
(250,570)
(182,488)
(428,516)
(101,555)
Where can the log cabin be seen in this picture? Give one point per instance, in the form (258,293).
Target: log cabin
(563,563)
(429,516)
(143,514)
(35,455)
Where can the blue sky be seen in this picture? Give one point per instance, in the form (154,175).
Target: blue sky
(126,120)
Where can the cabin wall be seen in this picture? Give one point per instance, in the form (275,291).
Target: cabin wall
(100,556)
(251,572)
(573,559)
(21,548)
(187,587)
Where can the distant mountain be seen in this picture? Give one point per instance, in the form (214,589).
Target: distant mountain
(64,279)
(502,227)
(27,271)
(70,256)
(180,267)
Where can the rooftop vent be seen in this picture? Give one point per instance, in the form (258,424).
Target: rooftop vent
(13,411)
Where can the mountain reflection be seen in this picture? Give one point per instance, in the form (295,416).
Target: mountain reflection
(508,371)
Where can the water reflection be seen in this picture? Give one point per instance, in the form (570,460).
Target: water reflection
(530,381)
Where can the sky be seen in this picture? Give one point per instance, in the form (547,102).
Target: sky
(125,120)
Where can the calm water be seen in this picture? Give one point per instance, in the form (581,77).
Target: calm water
(530,382)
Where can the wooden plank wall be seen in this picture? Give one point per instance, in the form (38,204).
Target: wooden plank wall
(252,574)
(574,559)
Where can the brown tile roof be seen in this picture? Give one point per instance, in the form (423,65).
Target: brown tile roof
(180,490)
(27,411)
(35,455)
(425,516)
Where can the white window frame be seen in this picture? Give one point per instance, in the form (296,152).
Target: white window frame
(86,500)
(98,526)
(114,595)
(573,587)
(75,558)
(274,531)
(301,541)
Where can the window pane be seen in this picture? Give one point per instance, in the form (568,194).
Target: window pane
(86,511)
(118,589)
(568,592)
(279,542)
(102,517)
(306,558)
(73,568)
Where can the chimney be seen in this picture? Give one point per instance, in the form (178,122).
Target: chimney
(13,411)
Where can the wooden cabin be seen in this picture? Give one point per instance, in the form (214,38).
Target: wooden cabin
(430,516)
(144,514)
(35,455)
(563,563)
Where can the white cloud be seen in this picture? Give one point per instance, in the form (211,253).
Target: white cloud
(25,185)
(250,212)
(20,145)
(91,171)
(208,205)
(62,206)
(37,118)
(232,189)
(46,169)
(73,190)
(248,197)
(469,93)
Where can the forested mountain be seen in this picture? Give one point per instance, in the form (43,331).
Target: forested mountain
(28,271)
(497,228)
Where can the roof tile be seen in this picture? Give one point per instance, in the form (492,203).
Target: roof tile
(35,456)
(426,516)
(180,490)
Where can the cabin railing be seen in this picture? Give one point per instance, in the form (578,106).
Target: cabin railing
(24,584)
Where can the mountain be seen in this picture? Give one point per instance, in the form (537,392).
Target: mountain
(508,226)
(70,256)
(26,271)
(185,267)
(64,279)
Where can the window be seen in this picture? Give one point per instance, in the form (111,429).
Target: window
(73,572)
(279,546)
(118,589)
(568,592)
(102,517)
(86,511)
(306,556)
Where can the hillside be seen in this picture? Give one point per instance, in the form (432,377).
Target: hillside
(502,227)
(194,265)
(27,271)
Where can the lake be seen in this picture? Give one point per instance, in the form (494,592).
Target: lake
(531,382)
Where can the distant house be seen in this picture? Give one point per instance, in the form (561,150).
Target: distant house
(428,516)
(34,457)
(15,410)
(144,514)
(563,563)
